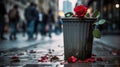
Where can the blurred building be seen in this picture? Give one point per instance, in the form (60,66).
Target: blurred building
(67,6)
(79,2)
(45,5)
(109,10)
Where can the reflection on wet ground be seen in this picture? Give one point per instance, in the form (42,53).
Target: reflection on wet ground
(28,57)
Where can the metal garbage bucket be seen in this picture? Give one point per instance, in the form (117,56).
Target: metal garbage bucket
(78,38)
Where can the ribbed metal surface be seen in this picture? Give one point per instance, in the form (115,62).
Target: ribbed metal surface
(78,37)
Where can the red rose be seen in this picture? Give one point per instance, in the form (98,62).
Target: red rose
(72,59)
(80,11)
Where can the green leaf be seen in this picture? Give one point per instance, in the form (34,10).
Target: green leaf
(100,22)
(68,14)
(96,33)
(96,23)
(96,14)
(87,15)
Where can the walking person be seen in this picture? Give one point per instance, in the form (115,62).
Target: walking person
(51,22)
(14,18)
(37,21)
(43,17)
(31,15)
(2,20)
(58,27)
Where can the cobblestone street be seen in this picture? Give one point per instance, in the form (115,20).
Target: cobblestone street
(29,56)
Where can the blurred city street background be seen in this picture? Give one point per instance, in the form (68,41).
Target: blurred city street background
(28,42)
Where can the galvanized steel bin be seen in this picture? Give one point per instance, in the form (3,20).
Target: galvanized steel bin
(78,38)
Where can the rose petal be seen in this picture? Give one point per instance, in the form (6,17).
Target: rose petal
(72,59)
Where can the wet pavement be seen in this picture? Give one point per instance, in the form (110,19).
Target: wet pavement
(110,40)
(29,55)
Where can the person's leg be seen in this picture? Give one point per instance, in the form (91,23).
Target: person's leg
(42,30)
(2,32)
(36,29)
(57,30)
(31,29)
(28,29)
(50,30)
(11,31)
(23,29)
(15,31)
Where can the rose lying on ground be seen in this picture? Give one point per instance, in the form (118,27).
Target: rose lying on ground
(72,59)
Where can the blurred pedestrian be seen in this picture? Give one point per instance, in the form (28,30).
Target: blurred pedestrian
(43,17)
(14,18)
(36,22)
(58,27)
(51,22)
(31,15)
(2,20)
